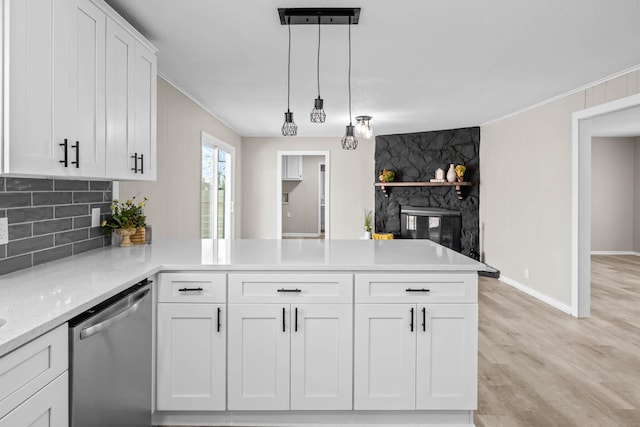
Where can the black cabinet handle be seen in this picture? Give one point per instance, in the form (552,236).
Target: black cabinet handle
(190,290)
(424,319)
(142,163)
(416,290)
(135,163)
(411,324)
(296,329)
(65,162)
(219,325)
(77,148)
(289,290)
(283,322)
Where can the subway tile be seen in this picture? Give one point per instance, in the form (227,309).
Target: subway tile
(19,231)
(71,236)
(3,213)
(29,214)
(108,196)
(53,254)
(88,197)
(82,222)
(53,226)
(15,263)
(71,210)
(88,245)
(71,185)
(3,251)
(100,185)
(28,184)
(2,180)
(105,208)
(96,232)
(52,198)
(15,200)
(32,244)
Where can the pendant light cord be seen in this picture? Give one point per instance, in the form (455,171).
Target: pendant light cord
(289,66)
(318,62)
(350,123)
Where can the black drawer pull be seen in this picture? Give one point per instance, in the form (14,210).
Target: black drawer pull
(417,290)
(142,163)
(77,148)
(289,290)
(296,329)
(411,324)
(135,163)
(190,290)
(219,325)
(424,319)
(284,325)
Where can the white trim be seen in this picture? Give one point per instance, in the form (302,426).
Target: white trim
(615,253)
(565,94)
(119,19)
(301,234)
(327,189)
(581,199)
(538,295)
(194,100)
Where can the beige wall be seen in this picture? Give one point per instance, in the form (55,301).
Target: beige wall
(304,199)
(525,209)
(636,196)
(174,199)
(612,194)
(350,181)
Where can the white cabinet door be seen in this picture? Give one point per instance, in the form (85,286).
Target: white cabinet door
(47,408)
(144,93)
(292,168)
(258,363)
(385,356)
(191,357)
(121,48)
(30,94)
(447,363)
(321,356)
(85,71)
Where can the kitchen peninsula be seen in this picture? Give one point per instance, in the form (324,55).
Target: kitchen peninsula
(282,332)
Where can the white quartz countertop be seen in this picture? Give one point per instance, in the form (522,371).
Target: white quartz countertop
(36,300)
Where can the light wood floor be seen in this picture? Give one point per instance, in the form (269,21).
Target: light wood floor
(541,367)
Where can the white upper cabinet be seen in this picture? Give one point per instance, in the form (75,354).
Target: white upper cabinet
(55,106)
(131,106)
(292,168)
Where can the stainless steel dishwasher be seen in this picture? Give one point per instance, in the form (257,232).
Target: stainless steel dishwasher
(110,362)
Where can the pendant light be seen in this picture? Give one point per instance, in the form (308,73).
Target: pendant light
(363,128)
(317,114)
(289,127)
(349,140)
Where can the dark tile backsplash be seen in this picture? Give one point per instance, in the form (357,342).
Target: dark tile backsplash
(50,219)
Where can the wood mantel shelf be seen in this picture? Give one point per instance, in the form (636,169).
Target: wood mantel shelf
(458,185)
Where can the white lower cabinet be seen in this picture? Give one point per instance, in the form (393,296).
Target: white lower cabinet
(415,356)
(49,407)
(290,356)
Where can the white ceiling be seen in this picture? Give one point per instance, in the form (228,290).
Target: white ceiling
(418,65)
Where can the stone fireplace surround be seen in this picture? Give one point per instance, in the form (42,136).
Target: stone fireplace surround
(414,157)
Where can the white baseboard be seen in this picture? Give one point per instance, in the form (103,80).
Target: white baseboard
(615,253)
(300,235)
(539,295)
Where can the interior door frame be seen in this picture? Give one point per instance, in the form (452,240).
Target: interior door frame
(212,141)
(327,190)
(581,134)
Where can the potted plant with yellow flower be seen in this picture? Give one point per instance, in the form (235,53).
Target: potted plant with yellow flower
(127,219)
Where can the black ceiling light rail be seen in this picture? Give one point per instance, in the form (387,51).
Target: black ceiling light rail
(321,15)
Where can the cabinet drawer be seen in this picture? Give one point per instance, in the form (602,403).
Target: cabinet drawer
(419,288)
(290,288)
(27,369)
(192,287)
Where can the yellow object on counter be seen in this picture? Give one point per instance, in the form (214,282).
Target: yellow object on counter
(381,236)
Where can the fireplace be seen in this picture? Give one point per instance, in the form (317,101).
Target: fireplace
(439,225)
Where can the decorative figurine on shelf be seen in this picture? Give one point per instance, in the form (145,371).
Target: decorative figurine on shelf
(387,175)
(439,176)
(451,173)
(460,170)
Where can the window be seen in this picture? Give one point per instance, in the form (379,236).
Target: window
(216,189)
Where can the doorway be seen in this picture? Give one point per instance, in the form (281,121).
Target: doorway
(303,194)
(616,118)
(216,188)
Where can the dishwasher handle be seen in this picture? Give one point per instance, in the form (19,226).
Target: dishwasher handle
(135,300)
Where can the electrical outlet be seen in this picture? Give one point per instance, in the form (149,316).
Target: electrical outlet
(4,231)
(288,214)
(526,273)
(95,217)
